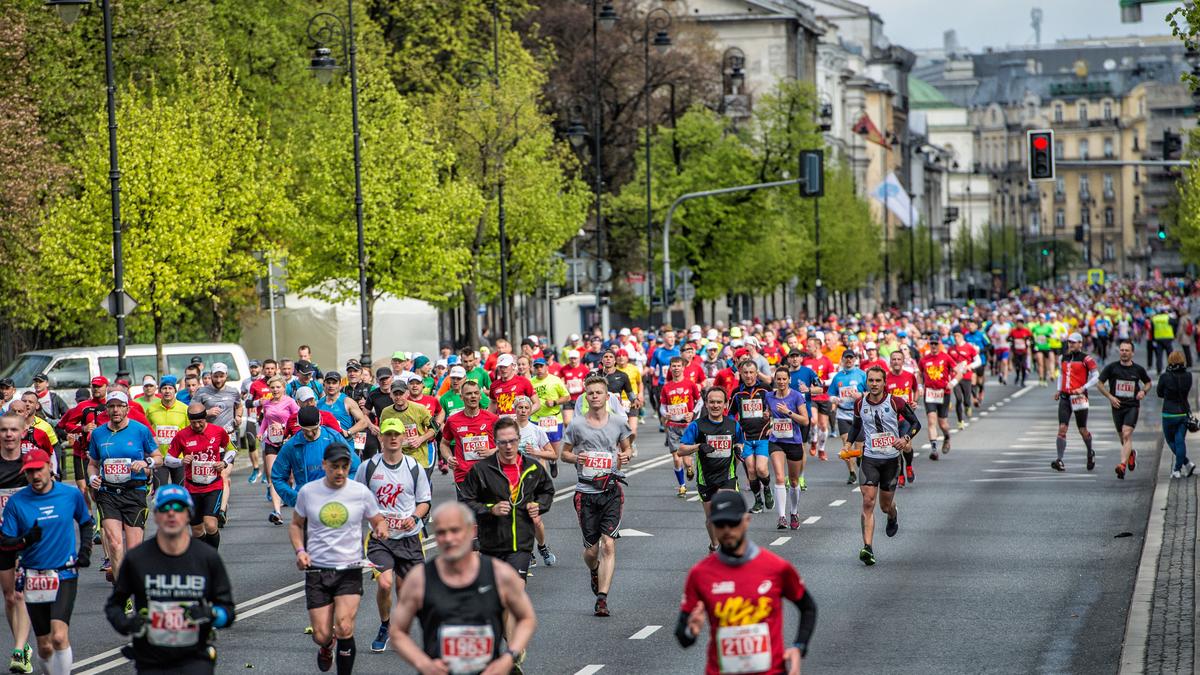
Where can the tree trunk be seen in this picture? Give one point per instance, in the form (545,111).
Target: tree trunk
(470,316)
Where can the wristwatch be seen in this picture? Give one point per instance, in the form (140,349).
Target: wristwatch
(512,653)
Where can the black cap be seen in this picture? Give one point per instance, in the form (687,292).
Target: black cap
(354,365)
(308,416)
(383,372)
(82,394)
(333,375)
(304,367)
(255,363)
(196,360)
(7,382)
(727,507)
(40,377)
(336,451)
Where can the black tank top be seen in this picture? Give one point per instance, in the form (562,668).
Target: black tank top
(462,624)
(11,475)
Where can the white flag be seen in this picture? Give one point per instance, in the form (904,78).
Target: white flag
(895,199)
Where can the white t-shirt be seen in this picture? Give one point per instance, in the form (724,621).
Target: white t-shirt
(335,521)
(532,434)
(395,492)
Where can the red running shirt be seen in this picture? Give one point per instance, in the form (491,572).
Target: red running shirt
(507,391)
(206,449)
(937,370)
(745,610)
(1076,368)
(823,367)
(679,399)
(470,436)
(902,386)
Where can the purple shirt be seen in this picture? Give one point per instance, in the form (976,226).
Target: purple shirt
(795,403)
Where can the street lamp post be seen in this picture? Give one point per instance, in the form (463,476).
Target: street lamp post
(603,17)
(657,20)
(326,29)
(825,123)
(68,11)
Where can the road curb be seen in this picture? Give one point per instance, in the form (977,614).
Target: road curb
(1137,622)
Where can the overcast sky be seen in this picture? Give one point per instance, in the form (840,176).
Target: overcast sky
(918,24)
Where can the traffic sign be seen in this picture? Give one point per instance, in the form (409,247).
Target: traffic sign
(606,271)
(686,292)
(109,304)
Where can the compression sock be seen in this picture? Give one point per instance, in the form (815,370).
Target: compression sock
(793,499)
(932,445)
(679,476)
(1087,441)
(821,436)
(1060,444)
(214,540)
(345,655)
(765,483)
(781,500)
(755,488)
(60,662)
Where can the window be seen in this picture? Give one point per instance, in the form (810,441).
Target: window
(1108,216)
(1060,185)
(1060,219)
(1083,148)
(1108,148)
(1108,110)
(70,374)
(25,367)
(1137,176)
(1059,153)
(1137,203)
(1108,184)
(1083,112)
(1058,112)
(1085,216)
(1110,251)
(1035,220)
(1084,185)
(140,366)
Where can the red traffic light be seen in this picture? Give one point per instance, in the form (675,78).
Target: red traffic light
(1040,143)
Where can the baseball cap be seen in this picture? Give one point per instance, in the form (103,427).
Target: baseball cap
(40,377)
(409,376)
(305,394)
(871,345)
(713,346)
(337,451)
(171,494)
(441,363)
(1074,337)
(573,338)
(383,372)
(82,394)
(117,396)
(196,360)
(149,379)
(625,332)
(458,371)
(308,416)
(333,376)
(399,356)
(539,361)
(35,459)
(573,354)
(504,360)
(392,425)
(353,365)
(727,507)
(735,332)
(99,381)
(255,363)
(302,367)
(123,381)
(169,381)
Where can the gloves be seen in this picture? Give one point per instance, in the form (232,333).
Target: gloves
(131,624)
(200,612)
(33,536)
(84,557)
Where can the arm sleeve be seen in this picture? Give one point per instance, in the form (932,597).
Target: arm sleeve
(906,412)
(808,621)
(682,635)
(1093,376)
(690,598)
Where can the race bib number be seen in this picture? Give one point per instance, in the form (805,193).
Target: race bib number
(847,393)
(1019,344)
(395,526)
(548,423)
(41,586)
(117,470)
(1041,339)
(752,407)
(4,495)
(165,433)
(204,473)
(883,441)
(169,627)
(676,411)
(722,446)
(935,396)
(625,403)
(474,447)
(1125,389)
(744,649)
(251,414)
(596,464)
(467,649)
(781,428)
(275,439)
(1079,402)
(574,386)
(360,440)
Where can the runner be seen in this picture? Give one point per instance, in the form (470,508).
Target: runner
(275,410)
(819,395)
(573,374)
(254,390)
(1021,338)
(789,420)
(451,401)
(979,340)
(467,436)
(846,387)
(879,418)
(202,451)
(804,380)
(172,624)
(937,380)
(79,422)
(998,335)
(966,358)
(167,416)
(678,399)
(598,445)
(404,495)
(621,386)
(508,386)
(550,417)
(416,418)
(1041,331)
(903,384)
(328,516)
(740,592)
(461,598)
(40,523)
(1079,372)
(345,410)
(1119,382)
(224,404)
(716,439)
(748,406)
(122,454)
(12,479)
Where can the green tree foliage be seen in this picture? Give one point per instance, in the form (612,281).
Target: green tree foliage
(199,190)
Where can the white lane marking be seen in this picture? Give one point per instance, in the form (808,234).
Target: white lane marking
(983,414)
(955,431)
(270,605)
(811,519)
(567,492)
(1026,461)
(1024,391)
(644,633)
(634,533)
(589,670)
(781,541)
(694,498)
(991,407)
(241,608)
(98,657)
(857,489)
(837,502)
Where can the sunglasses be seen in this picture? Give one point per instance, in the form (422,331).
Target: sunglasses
(172,507)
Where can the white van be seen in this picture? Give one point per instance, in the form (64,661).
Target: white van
(71,368)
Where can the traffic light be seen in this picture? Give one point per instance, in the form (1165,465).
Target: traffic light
(1041,154)
(1045,251)
(1079,233)
(1162,232)
(1172,145)
(812,170)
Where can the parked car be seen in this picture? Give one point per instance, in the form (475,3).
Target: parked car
(71,368)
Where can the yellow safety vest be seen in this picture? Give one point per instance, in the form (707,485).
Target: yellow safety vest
(1162,327)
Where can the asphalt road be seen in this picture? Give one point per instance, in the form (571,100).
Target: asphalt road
(1000,565)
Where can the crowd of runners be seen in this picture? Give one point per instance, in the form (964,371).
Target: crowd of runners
(746,408)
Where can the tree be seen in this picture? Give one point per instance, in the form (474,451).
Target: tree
(199,187)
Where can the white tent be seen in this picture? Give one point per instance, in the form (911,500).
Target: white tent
(334,332)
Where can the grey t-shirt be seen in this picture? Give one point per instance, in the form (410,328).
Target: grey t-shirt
(226,399)
(597,447)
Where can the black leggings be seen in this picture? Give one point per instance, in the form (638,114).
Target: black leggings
(962,396)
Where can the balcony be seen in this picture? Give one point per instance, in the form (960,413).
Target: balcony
(1085,195)
(1109,195)
(1060,196)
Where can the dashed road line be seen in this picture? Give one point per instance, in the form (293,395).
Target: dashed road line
(644,633)
(811,519)
(590,669)
(781,541)
(837,502)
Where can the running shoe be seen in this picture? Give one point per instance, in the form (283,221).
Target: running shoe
(769,498)
(690,472)
(893,524)
(254,475)
(822,456)
(548,556)
(601,607)
(553,469)
(325,658)
(852,479)
(532,564)
(946,447)
(381,639)
(794,522)
(1189,469)
(933,455)
(970,413)
(681,492)
(308,630)
(961,425)
(758,505)
(900,480)
(1121,471)
(1176,474)
(867,556)
(1132,463)
(782,524)
(27,652)
(1091,460)
(1058,465)
(96,538)
(18,664)
(275,518)
(812,450)
(595,582)
(909,471)
(802,484)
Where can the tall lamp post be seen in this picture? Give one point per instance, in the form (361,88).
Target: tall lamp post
(68,11)
(824,123)
(326,29)
(657,20)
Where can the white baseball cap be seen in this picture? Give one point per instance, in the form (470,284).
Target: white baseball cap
(458,371)
(625,332)
(1074,337)
(573,354)
(117,396)
(505,360)
(149,379)
(305,394)
(220,368)
(408,376)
